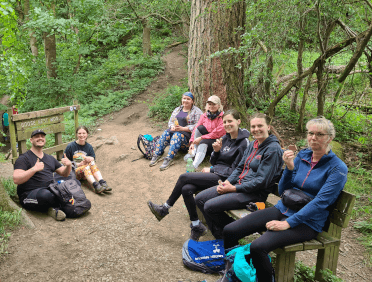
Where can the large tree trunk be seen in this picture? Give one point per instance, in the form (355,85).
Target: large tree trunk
(213,27)
(50,54)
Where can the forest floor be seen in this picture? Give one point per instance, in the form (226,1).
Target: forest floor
(119,239)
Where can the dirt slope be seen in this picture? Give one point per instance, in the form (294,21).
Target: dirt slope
(119,239)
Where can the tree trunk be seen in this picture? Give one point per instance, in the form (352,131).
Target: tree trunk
(215,27)
(33,40)
(300,123)
(50,54)
(146,41)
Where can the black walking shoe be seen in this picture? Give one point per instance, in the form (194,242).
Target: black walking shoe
(97,187)
(105,186)
(159,211)
(197,231)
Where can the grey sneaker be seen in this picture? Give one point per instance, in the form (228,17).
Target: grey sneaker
(197,231)
(166,164)
(154,160)
(159,211)
(57,214)
(105,186)
(97,187)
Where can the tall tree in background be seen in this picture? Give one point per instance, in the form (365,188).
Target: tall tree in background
(216,26)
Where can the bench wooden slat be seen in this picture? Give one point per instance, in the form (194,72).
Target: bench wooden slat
(312,245)
(327,240)
(24,134)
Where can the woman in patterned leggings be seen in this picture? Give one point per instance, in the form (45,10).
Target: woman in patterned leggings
(82,155)
(180,126)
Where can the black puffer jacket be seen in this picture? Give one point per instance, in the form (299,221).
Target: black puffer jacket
(225,161)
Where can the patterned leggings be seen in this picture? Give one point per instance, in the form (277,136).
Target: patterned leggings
(85,171)
(176,141)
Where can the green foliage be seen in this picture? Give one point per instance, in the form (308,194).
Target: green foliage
(165,103)
(9,186)
(304,273)
(8,220)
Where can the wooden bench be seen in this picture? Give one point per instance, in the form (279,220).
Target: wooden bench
(327,243)
(50,121)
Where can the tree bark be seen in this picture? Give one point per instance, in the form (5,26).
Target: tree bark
(33,40)
(300,70)
(146,41)
(300,123)
(50,54)
(215,27)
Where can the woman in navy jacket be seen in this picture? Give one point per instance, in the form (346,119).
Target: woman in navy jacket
(319,173)
(225,157)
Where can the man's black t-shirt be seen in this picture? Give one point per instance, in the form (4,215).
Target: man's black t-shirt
(39,179)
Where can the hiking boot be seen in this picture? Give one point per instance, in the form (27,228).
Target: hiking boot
(197,231)
(159,211)
(167,163)
(154,160)
(97,187)
(57,214)
(106,188)
(189,155)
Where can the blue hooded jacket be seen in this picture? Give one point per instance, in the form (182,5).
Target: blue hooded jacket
(324,182)
(263,171)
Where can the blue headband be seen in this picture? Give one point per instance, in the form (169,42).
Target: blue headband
(189,94)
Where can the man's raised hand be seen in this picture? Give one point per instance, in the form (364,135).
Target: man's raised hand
(65,161)
(39,166)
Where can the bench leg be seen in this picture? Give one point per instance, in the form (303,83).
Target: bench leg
(327,258)
(284,267)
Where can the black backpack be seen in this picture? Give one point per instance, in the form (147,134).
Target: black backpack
(71,197)
(148,144)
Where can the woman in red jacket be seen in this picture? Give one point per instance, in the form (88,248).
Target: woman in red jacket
(209,128)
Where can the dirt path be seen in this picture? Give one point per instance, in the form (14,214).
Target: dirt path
(119,239)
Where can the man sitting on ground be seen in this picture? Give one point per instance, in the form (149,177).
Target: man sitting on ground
(33,172)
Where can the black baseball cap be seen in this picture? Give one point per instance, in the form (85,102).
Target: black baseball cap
(37,131)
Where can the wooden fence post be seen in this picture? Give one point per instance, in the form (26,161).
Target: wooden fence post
(76,117)
(12,133)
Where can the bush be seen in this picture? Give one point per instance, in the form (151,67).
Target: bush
(165,103)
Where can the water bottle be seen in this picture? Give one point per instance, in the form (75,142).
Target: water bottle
(60,181)
(189,166)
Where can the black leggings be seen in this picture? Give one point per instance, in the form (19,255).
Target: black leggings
(39,200)
(188,184)
(269,241)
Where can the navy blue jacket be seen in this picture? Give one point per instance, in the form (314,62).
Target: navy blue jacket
(264,170)
(324,183)
(225,161)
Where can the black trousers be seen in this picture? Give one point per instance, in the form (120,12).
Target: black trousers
(190,183)
(269,241)
(214,205)
(39,200)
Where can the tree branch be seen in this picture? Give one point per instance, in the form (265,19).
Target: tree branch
(329,53)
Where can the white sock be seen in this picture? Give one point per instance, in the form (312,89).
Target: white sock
(195,222)
(167,206)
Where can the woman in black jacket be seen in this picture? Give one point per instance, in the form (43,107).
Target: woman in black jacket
(227,153)
(251,181)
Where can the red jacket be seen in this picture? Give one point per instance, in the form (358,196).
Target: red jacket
(214,127)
